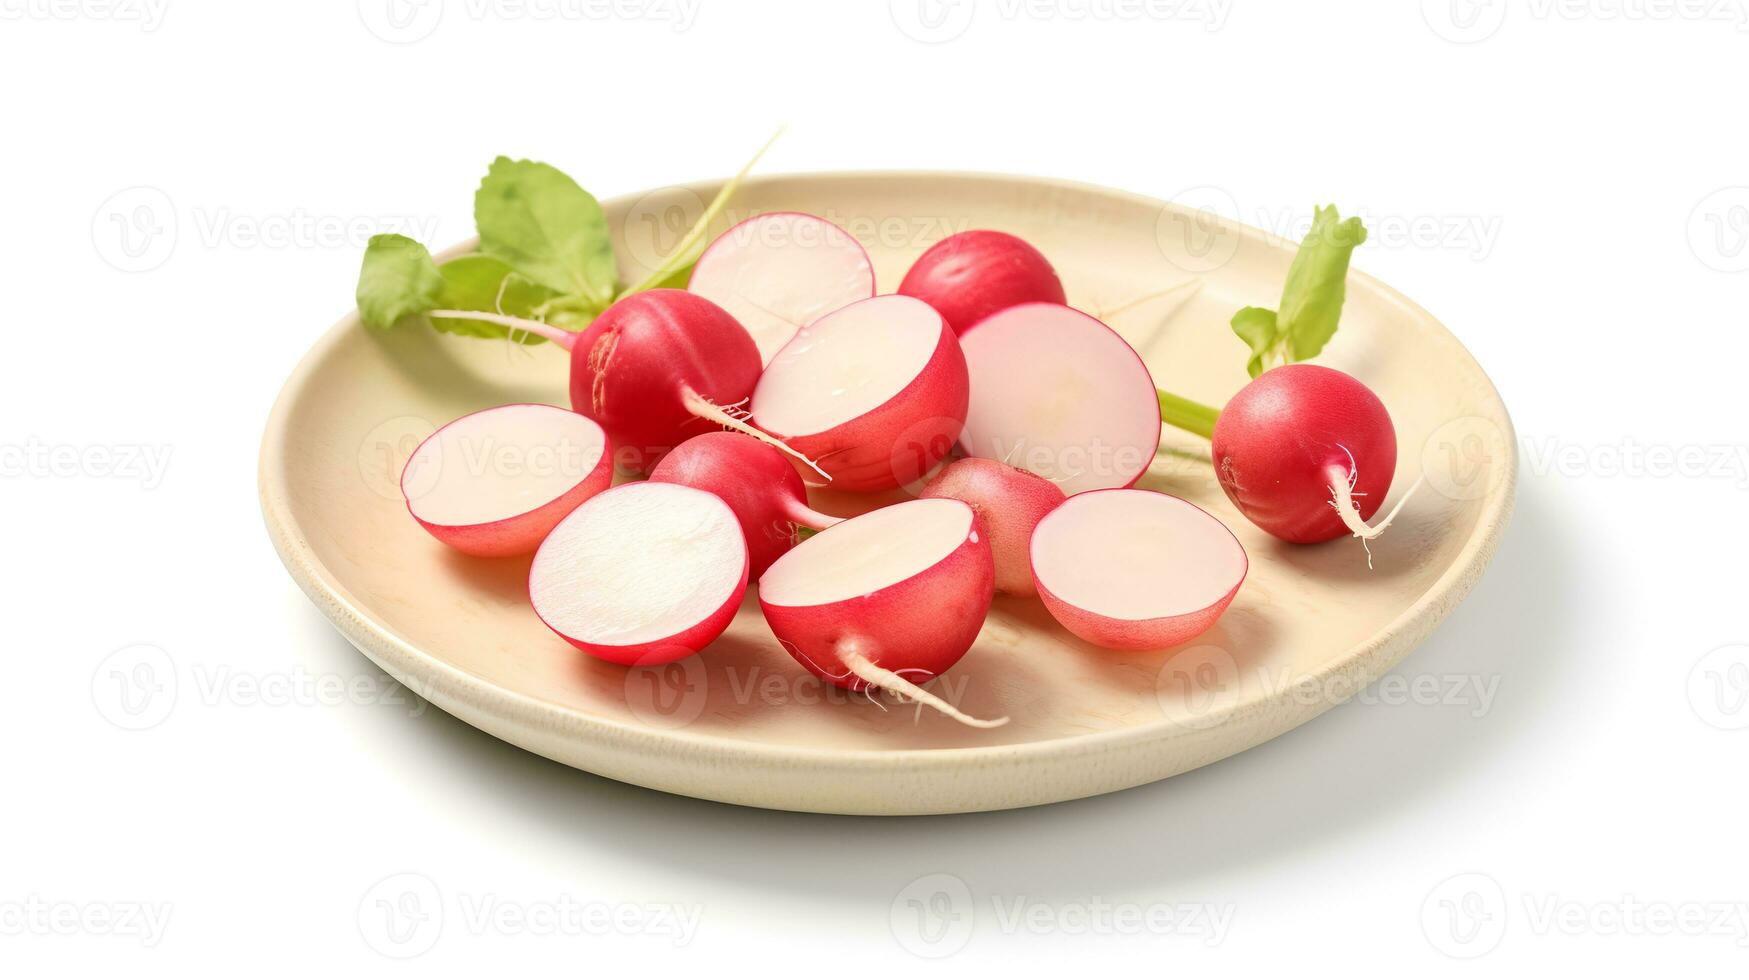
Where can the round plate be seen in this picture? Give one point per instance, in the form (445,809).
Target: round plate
(743,723)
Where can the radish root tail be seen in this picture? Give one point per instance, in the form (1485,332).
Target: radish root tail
(1342,496)
(710,411)
(886,680)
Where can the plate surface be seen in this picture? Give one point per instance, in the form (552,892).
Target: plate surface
(743,723)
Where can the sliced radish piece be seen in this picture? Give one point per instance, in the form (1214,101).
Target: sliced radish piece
(1009,502)
(874,393)
(1135,569)
(889,599)
(757,482)
(1057,393)
(645,573)
(777,273)
(494,482)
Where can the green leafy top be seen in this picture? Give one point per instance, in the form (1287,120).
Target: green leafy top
(546,256)
(1311,301)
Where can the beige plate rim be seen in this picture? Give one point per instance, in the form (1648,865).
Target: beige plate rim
(452,687)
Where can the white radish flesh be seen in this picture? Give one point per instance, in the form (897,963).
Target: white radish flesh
(1135,569)
(1057,393)
(493,483)
(889,599)
(777,273)
(873,393)
(645,573)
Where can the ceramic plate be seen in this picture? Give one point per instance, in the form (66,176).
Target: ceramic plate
(743,723)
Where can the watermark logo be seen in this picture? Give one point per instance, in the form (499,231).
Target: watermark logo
(401,21)
(1199,231)
(135,688)
(38,460)
(1718,230)
(671,695)
(932,21)
(401,916)
(656,225)
(1464,916)
(134,229)
(1718,687)
(1464,21)
(1199,686)
(933,916)
(383,454)
(1466,458)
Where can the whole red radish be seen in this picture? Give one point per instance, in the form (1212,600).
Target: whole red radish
(645,573)
(1135,569)
(973,274)
(658,367)
(493,483)
(889,599)
(874,393)
(757,482)
(1307,453)
(1009,503)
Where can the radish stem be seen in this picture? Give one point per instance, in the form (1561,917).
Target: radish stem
(1182,413)
(708,410)
(886,680)
(558,335)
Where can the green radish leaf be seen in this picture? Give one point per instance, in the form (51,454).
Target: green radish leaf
(481,282)
(1311,300)
(1256,327)
(540,223)
(398,279)
(678,278)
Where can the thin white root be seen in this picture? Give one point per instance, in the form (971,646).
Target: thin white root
(710,411)
(886,680)
(558,335)
(1342,498)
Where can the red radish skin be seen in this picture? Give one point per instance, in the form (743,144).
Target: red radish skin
(493,483)
(1307,453)
(1135,569)
(973,274)
(653,369)
(757,482)
(776,273)
(1058,393)
(1009,503)
(888,600)
(646,573)
(874,393)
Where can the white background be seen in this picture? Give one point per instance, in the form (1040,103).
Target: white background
(1581,166)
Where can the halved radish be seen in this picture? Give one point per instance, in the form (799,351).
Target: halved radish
(1135,569)
(494,482)
(1057,393)
(757,482)
(1009,502)
(874,393)
(777,273)
(973,274)
(645,573)
(889,599)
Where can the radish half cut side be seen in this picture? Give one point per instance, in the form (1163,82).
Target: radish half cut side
(1135,569)
(875,393)
(493,483)
(646,573)
(1058,393)
(777,273)
(889,599)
